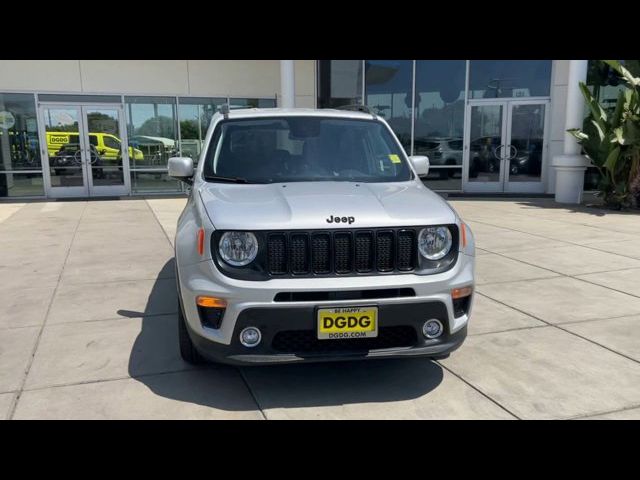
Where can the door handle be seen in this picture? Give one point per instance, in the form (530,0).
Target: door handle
(513,152)
(499,149)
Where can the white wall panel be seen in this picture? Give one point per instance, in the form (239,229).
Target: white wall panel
(168,77)
(42,75)
(239,78)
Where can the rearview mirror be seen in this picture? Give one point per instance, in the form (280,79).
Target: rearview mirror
(420,164)
(181,168)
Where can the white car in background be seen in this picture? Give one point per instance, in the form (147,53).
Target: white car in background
(441,151)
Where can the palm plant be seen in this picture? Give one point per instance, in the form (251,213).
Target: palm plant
(611,140)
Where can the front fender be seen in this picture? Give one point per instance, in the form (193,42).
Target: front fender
(192,219)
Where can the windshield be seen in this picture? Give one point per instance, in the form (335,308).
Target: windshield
(303,149)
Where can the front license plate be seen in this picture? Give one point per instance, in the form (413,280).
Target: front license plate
(347,322)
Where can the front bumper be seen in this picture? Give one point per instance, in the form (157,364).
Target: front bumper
(288,335)
(253,304)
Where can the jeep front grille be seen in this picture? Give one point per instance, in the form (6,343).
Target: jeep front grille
(342,252)
(336,252)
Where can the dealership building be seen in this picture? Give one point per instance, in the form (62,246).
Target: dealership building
(96,128)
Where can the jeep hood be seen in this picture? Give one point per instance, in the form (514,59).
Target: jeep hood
(308,205)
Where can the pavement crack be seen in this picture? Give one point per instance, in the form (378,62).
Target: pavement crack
(253,395)
(492,400)
(559,326)
(166,235)
(603,412)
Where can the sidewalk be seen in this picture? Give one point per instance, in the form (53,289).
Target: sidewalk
(87,324)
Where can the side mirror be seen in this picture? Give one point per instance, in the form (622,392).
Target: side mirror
(420,164)
(181,168)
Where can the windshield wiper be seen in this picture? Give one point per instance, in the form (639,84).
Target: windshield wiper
(217,178)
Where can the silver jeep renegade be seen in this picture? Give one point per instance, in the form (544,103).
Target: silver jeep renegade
(309,236)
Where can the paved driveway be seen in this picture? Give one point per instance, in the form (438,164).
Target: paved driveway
(88,312)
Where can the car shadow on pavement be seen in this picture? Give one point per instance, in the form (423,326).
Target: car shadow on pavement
(155,361)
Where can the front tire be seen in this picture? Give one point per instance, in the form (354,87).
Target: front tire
(188,350)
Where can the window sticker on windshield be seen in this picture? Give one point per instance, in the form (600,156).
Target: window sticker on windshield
(394,158)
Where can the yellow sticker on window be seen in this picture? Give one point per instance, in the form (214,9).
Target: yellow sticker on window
(394,158)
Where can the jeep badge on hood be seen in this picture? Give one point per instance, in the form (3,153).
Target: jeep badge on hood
(348,220)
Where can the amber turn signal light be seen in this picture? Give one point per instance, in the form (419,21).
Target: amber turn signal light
(463,229)
(461,292)
(201,241)
(211,302)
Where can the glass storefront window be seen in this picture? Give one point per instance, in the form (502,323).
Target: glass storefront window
(153,134)
(194,115)
(19,146)
(388,91)
(16,184)
(252,103)
(509,78)
(439,120)
(436,181)
(152,182)
(339,83)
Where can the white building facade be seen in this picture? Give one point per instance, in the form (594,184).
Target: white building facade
(96,128)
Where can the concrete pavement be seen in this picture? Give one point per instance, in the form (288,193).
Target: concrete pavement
(88,312)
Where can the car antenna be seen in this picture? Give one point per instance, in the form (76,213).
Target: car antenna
(224,109)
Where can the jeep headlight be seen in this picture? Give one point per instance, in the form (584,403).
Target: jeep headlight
(238,248)
(434,242)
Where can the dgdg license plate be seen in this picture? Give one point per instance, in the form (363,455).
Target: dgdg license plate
(347,322)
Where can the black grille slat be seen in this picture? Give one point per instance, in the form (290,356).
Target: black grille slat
(299,253)
(277,253)
(306,341)
(342,252)
(321,253)
(406,250)
(384,251)
(364,252)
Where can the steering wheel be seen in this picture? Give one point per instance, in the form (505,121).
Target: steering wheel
(77,157)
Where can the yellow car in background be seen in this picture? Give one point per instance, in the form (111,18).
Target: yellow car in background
(107,145)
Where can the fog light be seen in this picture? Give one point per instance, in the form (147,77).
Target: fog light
(250,337)
(432,328)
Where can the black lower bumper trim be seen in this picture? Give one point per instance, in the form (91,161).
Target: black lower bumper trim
(306,341)
(400,335)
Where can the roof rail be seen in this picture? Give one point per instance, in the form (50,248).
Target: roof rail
(356,107)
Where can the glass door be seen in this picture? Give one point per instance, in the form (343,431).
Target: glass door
(106,156)
(526,149)
(63,151)
(484,147)
(83,151)
(505,146)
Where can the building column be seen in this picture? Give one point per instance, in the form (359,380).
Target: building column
(570,166)
(287,84)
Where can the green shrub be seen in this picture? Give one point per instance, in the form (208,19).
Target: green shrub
(612,141)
